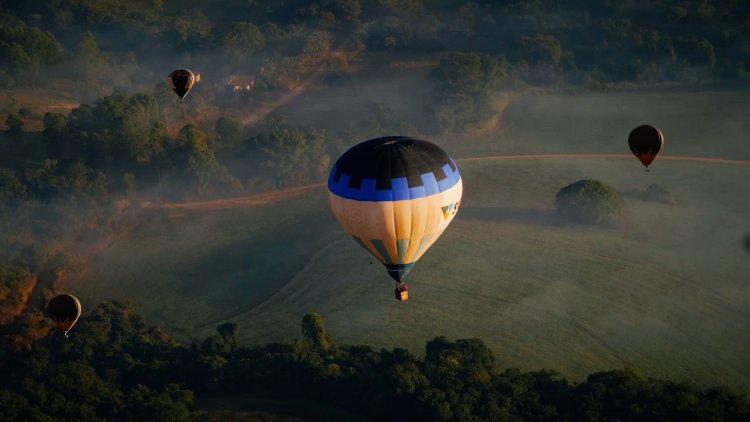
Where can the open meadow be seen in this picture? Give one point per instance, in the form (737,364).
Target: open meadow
(667,293)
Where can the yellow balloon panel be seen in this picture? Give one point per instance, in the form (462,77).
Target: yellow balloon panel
(397,232)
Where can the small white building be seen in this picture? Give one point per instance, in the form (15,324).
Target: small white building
(239,82)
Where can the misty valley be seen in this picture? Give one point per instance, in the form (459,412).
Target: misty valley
(207,208)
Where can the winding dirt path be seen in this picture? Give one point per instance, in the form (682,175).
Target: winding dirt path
(239,201)
(282,194)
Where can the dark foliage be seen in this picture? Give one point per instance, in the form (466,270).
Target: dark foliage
(115,367)
(550,42)
(589,201)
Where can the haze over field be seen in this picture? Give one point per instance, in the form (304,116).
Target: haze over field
(667,292)
(173,222)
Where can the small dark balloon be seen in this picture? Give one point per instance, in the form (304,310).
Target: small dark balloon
(64,310)
(646,142)
(181,80)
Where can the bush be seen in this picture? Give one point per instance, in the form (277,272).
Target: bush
(589,201)
(657,193)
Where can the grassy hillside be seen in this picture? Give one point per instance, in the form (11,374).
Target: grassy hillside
(693,123)
(667,293)
(39,101)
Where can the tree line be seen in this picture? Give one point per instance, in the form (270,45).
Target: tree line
(547,42)
(114,366)
(121,144)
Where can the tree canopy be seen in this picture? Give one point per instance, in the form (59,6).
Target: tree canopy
(115,366)
(589,201)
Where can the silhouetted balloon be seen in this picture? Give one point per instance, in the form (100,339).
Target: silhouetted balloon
(645,142)
(181,80)
(64,310)
(395,196)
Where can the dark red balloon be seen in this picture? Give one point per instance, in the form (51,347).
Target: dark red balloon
(645,142)
(64,310)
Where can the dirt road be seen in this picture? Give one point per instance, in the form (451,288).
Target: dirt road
(282,194)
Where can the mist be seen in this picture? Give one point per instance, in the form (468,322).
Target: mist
(214,210)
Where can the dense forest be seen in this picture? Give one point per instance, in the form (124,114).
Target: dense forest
(69,179)
(543,41)
(115,367)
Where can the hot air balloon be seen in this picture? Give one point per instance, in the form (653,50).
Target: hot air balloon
(645,143)
(64,310)
(181,80)
(395,196)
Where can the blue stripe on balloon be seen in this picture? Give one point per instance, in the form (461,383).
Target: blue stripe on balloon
(399,190)
(399,271)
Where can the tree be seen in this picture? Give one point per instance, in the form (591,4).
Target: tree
(243,39)
(25,113)
(16,284)
(13,124)
(191,29)
(44,182)
(77,178)
(138,126)
(11,187)
(157,139)
(314,331)
(464,88)
(93,64)
(470,74)
(199,158)
(26,52)
(543,49)
(294,156)
(228,332)
(229,133)
(316,44)
(54,124)
(589,201)
(345,10)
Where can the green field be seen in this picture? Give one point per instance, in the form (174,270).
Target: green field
(667,293)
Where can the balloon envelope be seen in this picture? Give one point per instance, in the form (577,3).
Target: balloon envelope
(64,310)
(181,80)
(645,142)
(395,196)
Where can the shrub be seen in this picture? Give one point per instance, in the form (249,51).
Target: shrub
(589,201)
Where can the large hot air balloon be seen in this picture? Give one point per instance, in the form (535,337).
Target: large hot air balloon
(181,80)
(395,196)
(64,310)
(645,143)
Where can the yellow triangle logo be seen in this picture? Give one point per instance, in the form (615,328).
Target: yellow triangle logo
(447,210)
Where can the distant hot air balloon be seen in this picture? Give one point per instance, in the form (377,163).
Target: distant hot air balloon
(64,310)
(395,196)
(645,143)
(181,80)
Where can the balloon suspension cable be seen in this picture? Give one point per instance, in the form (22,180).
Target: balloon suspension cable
(66,334)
